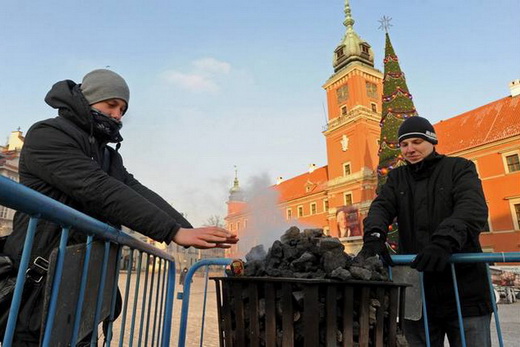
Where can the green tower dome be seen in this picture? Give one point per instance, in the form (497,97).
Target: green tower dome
(352,48)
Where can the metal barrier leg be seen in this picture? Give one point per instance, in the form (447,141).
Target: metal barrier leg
(143,306)
(150,296)
(101,289)
(125,303)
(425,311)
(20,282)
(457,300)
(495,309)
(157,304)
(204,305)
(81,296)
(108,338)
(168,310)
(162,305)
(55,286)
(136,294)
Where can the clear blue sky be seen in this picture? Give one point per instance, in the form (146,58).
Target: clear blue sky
(221,83)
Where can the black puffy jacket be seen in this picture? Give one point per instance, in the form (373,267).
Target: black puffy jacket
(438,197)
(63,159)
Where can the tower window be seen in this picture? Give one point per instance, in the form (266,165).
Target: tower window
(346,169)
(342,94)
(339,52)
(344,110)
(365,48)
(348,199)
(374,106)
(371,90)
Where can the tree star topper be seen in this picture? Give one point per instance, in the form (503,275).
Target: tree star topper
(385,23)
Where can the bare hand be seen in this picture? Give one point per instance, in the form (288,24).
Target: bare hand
(205,237)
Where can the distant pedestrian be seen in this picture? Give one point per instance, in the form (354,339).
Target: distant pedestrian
(182,276)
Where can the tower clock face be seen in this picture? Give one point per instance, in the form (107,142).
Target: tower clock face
(342,94)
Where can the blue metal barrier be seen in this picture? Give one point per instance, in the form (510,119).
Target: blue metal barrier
(398,259)
(509,257)
(40,207)
(186,295)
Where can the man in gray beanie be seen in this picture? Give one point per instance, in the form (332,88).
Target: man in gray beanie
(69,159)
(440,209)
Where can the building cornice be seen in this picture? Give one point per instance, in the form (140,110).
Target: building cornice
(354,69)
(354,115)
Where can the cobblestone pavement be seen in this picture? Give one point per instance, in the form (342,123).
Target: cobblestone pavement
(509,319)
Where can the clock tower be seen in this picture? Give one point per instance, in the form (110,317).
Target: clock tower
(352,131)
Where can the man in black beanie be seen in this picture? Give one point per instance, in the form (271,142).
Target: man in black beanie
(69,159)
(440,209)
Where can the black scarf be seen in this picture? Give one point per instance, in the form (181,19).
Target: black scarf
(424,168)
(105,127)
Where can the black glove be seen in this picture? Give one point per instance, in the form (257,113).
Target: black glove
(374,245)
(433,257)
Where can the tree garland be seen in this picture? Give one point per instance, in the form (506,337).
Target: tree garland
(397,106)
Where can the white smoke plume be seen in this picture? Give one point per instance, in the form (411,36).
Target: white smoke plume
(266,221)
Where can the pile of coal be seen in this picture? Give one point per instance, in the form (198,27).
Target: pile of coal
(311,254)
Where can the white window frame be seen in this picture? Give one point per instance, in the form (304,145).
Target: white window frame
(315,207)
(325,205)
(504,160)
(288,213)
(349,169)
(298,209)
(345,198)
(512,203)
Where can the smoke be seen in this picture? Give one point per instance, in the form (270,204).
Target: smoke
(266,222)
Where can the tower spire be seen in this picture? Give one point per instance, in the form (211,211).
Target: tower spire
(351,48)
(349,21)
(235,193)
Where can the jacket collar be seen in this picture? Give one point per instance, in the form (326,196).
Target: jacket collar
(424,168)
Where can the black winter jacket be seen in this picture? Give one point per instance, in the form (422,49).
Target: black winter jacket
(63,159)
(438,197)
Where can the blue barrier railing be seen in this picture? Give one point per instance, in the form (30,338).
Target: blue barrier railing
(509,257)
(40,207)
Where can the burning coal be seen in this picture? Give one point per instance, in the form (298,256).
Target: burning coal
(313,255)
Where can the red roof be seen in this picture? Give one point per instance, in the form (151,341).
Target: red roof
(492,122)
(305,184)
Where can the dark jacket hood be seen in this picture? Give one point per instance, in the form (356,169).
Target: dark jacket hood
(66,96)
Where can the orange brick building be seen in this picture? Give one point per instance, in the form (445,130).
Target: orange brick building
(488,135)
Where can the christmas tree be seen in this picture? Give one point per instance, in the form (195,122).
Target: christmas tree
(397,106)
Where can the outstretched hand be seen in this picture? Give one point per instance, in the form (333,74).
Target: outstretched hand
(205,237)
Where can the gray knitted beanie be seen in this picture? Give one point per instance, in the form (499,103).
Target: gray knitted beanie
(99,85)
